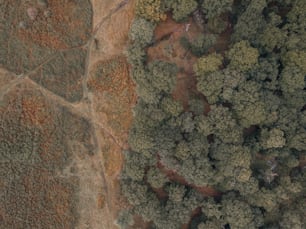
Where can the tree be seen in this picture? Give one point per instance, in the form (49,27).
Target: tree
(250,22)
(141,32)
(221,123)
(248,104)
(176,192)
(201,44)
(182,8)
(151,10)
(273,138)
(211,85)
(242,56)
(208,64)
(135,165)
(237,213)
(162,75)
(213,8)
(171,106)
(156,178)
(292,79)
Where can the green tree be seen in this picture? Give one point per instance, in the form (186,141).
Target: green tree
(162,75)
(135,165)
(273,138)
(171,106)
(250,22)
(237,213)
(201,44)
(208,64)
(242,56)
(141,32)
(176,192)
(211,85)
(221,123)
(151,10)
(248,104)
(156,178)
(213,8)
(182,8)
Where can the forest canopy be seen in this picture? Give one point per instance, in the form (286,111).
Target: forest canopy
(248,145)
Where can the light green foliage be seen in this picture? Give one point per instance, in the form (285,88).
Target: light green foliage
(211,85)
(212,209)
(140,140)
(155,178)
(208,64)
(176,192)
(182,8)
(295,59)
(151,10)
(141,31)
(213,8)
(135,192)
(242,56)
(169,105)
(273,138)
(136,56)
(135,165)
(182,150)
(292,79)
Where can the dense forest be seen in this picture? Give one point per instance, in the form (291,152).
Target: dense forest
(243,134)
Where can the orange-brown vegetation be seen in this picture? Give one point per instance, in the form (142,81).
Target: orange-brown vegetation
(55,24)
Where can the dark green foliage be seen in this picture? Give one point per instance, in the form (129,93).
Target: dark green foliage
(221,123)
(213,8)
(155,178)
(202,43)
(250,21)
(248,144)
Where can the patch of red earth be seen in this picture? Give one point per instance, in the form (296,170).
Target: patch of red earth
(168,46)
